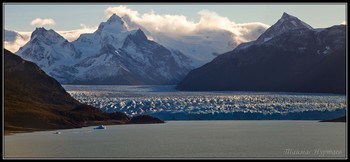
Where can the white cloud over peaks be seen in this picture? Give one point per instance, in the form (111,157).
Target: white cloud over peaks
(18,41)
(72,35)
(199,40)
(153,22)
(23,37)
(120,11)
(179,25)
(42,22)
(211,20)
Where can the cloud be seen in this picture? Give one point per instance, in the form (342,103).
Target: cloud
(343,23)
(218,33)
(179,25)
(154,22)
(42,22)
(19,40)
(199,39)
(251,31)
(121,11)
(72,35)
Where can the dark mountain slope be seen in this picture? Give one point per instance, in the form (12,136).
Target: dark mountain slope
(35,101)
(297,60)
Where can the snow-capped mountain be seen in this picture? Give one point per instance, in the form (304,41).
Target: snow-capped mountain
(113,54)
(285,23)
(289,56)
(203,44)
(112,32)
(50,51)
(201,47)
(137,61)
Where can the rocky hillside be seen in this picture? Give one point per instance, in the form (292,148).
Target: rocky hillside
(35,101)
(290,56)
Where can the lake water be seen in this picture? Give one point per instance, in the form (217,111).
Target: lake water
(187,139)
(167,103)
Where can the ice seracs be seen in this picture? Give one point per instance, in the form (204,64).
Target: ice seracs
(162,100)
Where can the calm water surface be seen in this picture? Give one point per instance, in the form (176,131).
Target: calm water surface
(186,139)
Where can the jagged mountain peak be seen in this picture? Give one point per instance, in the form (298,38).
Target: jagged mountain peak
(287,16)
(38,31)
(294,61)
(292,21)
(140,34)
(46,34)
(42,30)
(285,23)
(48,49)
(136,36)
(115,18)
(114,24)
(113,54)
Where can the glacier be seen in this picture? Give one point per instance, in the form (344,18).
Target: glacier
(167,103)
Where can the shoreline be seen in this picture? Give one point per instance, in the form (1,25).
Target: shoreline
(118,122)
(84,124)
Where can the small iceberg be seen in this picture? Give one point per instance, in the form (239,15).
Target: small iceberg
(57,132)
(100,127)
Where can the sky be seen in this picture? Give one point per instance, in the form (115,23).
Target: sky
(64,17)
(175,20)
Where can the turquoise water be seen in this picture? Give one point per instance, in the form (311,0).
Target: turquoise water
(186,139)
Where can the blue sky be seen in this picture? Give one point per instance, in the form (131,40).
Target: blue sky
(18,17)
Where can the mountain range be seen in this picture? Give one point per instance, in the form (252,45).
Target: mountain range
(290,56)
(113,54)
(107,56)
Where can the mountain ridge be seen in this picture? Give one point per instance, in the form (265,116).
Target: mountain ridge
(296,60)
(103,57)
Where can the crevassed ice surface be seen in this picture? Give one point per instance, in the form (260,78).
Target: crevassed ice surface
(168,103)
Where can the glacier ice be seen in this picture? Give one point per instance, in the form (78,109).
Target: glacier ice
(167,103)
